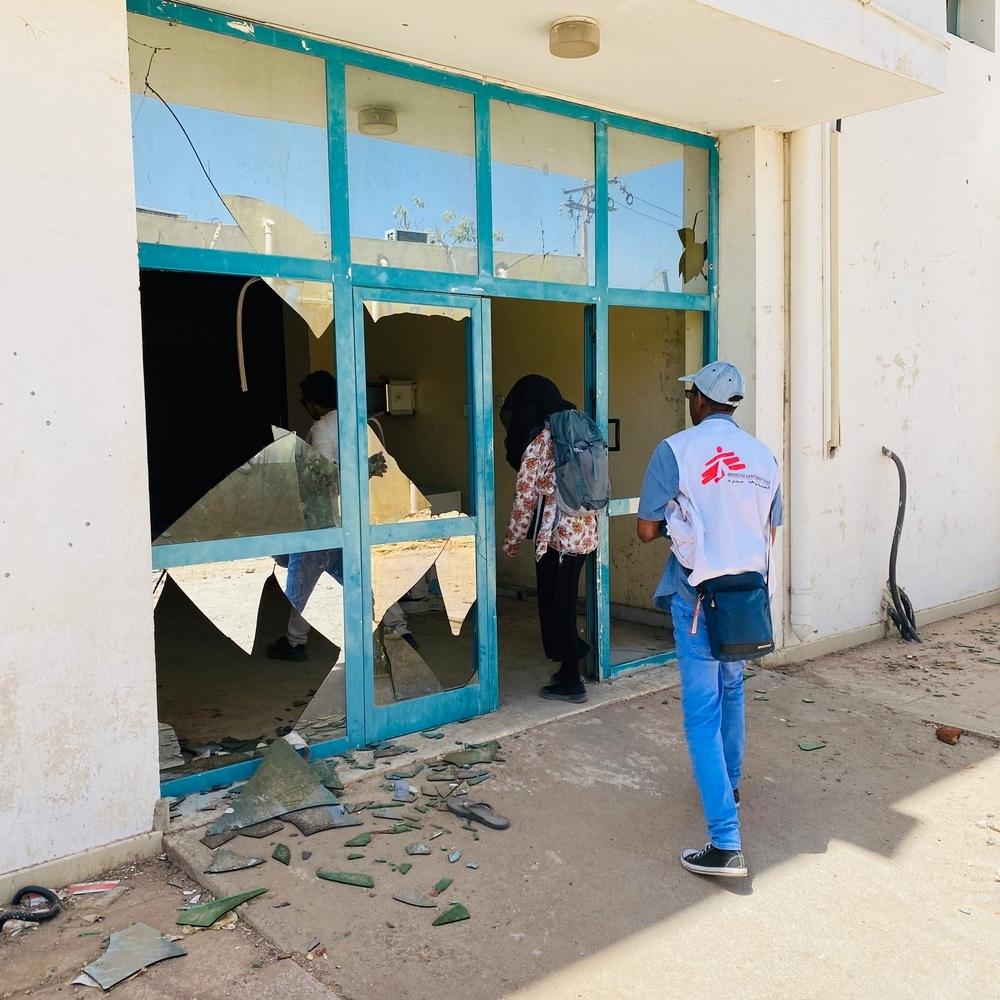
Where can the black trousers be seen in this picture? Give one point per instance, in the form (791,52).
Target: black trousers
(558,584)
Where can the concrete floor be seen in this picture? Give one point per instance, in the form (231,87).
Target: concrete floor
(874,871)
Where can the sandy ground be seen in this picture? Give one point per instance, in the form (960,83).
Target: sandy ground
(875,861)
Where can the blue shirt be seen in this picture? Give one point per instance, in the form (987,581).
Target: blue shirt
(661,485)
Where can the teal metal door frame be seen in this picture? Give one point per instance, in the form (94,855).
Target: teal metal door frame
(472,291)
(475,698)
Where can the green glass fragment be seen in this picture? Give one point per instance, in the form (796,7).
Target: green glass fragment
(282,853)
(205,914)
(441,885)
(361,840)
(432,736)
(477,779)
(354,857)
(486,745)
(404,867)
(452,915)
(347,878)
(808,701)
(384,805)
(811,744)
(760,697)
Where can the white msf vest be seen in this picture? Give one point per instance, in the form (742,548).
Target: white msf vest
(721,522)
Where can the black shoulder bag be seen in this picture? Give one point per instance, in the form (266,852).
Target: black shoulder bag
(738,616)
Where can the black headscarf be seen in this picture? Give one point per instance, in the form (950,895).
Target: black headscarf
(527,406)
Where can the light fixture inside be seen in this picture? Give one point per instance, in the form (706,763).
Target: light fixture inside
(574,37)
(377,121)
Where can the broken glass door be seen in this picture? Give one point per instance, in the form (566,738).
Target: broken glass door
(428,498)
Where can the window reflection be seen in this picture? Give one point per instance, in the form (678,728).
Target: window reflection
(229,142)
(543,195)
(658,214)
(412,174)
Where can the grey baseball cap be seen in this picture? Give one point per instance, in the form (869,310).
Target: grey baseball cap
(720,381)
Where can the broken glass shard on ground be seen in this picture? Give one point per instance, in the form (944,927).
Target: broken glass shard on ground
(452,915)
(811,744)
(402,791)
(282,854)
(225,860)
(440,886)
(418,848)
(404,868)
(283,783)
(465,758)
(387,813)
(454,856)
(260,830)
(205,914)
(320,818)
(410,772)
(129,951)
(214,840)
(347,878)
(327,774)
(414,899)
(361,840)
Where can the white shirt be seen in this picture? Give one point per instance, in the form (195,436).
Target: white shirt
(324,437)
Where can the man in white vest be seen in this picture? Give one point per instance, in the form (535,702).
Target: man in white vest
(714,490)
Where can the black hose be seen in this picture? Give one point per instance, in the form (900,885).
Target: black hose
(901,611)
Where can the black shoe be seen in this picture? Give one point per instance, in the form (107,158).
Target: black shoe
(715,861)
(575,693)
(736,795)
(282,649)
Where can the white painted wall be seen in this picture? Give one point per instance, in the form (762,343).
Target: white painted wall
(920,251)
(78,752)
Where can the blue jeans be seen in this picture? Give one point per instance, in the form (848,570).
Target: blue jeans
(712,700)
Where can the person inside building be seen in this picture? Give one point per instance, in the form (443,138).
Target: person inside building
(319,397)
(719,489)
(562,542)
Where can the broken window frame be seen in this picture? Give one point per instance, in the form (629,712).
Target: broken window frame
(472,288)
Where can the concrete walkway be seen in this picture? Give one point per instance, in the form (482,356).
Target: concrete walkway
(875,871)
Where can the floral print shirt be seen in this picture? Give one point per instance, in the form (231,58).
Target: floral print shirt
(536,480)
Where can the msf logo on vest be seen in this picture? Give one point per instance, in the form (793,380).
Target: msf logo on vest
(721,463)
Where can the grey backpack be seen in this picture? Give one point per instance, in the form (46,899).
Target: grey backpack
(581,455)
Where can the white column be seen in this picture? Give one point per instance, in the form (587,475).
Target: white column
(752,289)
(78,750)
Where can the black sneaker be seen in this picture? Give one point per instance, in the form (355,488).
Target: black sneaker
(715,861)
(736,795)
(282,649)
(575,693)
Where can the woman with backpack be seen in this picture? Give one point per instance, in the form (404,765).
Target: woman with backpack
(562,540)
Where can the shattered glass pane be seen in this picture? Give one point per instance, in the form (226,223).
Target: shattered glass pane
(658,213)
(412,183)
(287,486)
(424,647)
(229,141)
(217,687)
(312,300)
(543,195)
